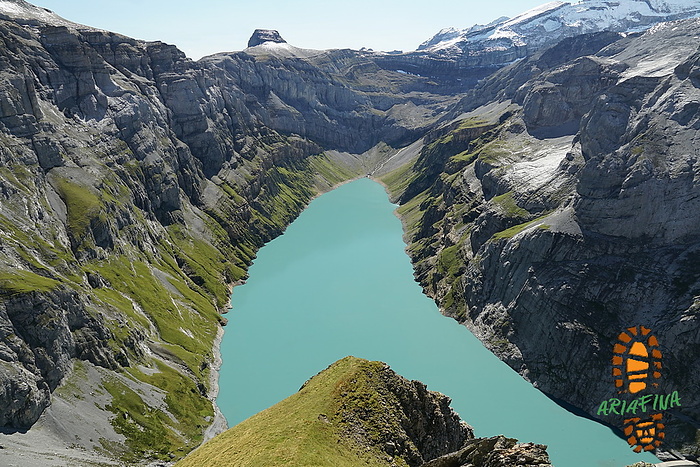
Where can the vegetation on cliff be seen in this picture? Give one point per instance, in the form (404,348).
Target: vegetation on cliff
(120,241)
(555,227)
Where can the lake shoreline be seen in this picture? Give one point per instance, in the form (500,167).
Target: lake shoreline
(220,423)
(339,283)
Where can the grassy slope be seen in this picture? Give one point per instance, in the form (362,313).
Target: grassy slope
(166,294)
(187,317)
(299,431)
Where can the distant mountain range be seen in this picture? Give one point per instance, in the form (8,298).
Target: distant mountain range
(513,38)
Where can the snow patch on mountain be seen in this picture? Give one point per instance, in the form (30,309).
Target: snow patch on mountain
(554,21)
(19,10)
(534,13)
(282,50)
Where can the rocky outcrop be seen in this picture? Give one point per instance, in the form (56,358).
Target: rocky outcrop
(382,410)
(260,36)
(498,451)
(553,85)
(42,333)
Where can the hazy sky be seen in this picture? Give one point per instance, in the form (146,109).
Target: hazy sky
(203,27)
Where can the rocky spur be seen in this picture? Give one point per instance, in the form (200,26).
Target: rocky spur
(653,402)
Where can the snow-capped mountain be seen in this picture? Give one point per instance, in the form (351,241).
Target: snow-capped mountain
(551,22)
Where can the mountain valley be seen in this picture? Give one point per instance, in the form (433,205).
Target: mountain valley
(548,191)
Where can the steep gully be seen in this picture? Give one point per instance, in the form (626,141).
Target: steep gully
(130,174)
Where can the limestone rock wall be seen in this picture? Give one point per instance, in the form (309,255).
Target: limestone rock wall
(573,218)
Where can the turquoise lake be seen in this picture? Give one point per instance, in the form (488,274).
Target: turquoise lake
(339,283)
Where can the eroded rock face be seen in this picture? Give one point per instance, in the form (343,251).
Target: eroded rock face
(329,97)
(549,243)
(41,334)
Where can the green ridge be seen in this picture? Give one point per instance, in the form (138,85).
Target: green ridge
(516,229)
(303,429)
(508,206)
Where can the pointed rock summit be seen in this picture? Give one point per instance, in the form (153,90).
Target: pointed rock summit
(261,36)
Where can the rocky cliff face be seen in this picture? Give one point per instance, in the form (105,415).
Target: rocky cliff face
(498,451)
(331,97)
(400,418)
(555,211)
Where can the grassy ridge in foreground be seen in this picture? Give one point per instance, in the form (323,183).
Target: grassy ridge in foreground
(300,430)
(361,413)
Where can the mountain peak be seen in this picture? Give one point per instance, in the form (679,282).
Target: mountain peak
(260,36)
(551,22)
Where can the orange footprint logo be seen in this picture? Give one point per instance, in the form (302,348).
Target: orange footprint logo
(645,435)
(636,360)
